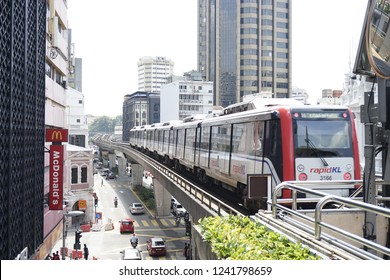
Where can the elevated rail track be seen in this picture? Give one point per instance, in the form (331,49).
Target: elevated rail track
(310,227)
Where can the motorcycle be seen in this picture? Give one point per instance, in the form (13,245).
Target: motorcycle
(134,244)
(116,203)
(177,219)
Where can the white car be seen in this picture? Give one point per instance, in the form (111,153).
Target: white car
(131,254)
(178,209)
(136,208)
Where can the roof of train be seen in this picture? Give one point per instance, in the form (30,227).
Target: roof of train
(252,107)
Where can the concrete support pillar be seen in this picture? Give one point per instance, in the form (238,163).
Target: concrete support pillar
(137,174)
(162,198)
(105,162)
(112,159)
(122,166)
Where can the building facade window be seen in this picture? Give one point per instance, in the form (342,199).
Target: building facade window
(74,175)
(84,174)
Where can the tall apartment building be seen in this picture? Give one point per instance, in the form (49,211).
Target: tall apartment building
(65,109)
(244,47)
(57,70)
(153,72)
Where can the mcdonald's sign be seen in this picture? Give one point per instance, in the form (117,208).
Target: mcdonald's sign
(56,135)
(56,177)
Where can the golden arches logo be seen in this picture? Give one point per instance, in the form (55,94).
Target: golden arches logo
(57,135)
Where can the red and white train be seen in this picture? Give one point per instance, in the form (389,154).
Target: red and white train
(254,146)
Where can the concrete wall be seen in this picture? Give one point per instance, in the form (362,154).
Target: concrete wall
(201,250)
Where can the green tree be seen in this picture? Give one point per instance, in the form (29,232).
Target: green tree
(104,125)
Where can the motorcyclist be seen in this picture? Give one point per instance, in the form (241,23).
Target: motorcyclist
(177,219)
(134,240)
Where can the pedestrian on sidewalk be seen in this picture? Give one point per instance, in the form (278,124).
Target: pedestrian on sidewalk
(188,253)
(86,252)
(185,249)
(56,256)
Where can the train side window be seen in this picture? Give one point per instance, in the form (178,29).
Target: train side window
(239,137)
(258,138)
(272,138)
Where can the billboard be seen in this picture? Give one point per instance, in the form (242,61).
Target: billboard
(56,177)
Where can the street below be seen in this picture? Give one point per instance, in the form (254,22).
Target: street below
(104,240)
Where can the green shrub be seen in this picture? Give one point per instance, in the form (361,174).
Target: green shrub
(240,238)
(147,197)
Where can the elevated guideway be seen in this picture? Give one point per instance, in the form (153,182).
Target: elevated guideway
(336,233)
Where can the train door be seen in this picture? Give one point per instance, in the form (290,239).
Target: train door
(220,148)
(197,145)
(204,147)
(273,151)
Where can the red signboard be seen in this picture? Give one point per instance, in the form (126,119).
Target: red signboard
(56,177)
(56,135)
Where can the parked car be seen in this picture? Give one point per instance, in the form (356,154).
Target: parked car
(178,209)
(136,208)
(131,254)
(156,246)
(126,225)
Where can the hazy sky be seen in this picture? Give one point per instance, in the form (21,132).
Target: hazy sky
(111,35)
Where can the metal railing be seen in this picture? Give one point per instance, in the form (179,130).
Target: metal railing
(279,211)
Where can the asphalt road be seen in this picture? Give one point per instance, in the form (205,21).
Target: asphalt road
(107,244)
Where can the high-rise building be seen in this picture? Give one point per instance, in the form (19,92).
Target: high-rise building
(244,47)
(22,128)
(153,72)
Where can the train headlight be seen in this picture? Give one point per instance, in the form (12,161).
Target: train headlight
(349,167)
(347,176)
(302,177)
(301,168)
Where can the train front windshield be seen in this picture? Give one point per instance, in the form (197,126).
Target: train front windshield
(322,133)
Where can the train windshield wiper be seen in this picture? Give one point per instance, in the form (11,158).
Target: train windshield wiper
(311,146)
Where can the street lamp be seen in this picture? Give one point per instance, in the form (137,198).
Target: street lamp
(67,214)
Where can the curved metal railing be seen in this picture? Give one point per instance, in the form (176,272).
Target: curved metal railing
(279,210)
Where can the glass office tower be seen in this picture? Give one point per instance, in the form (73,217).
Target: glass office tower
(244,47)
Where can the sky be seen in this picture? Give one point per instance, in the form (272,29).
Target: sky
(112,35)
